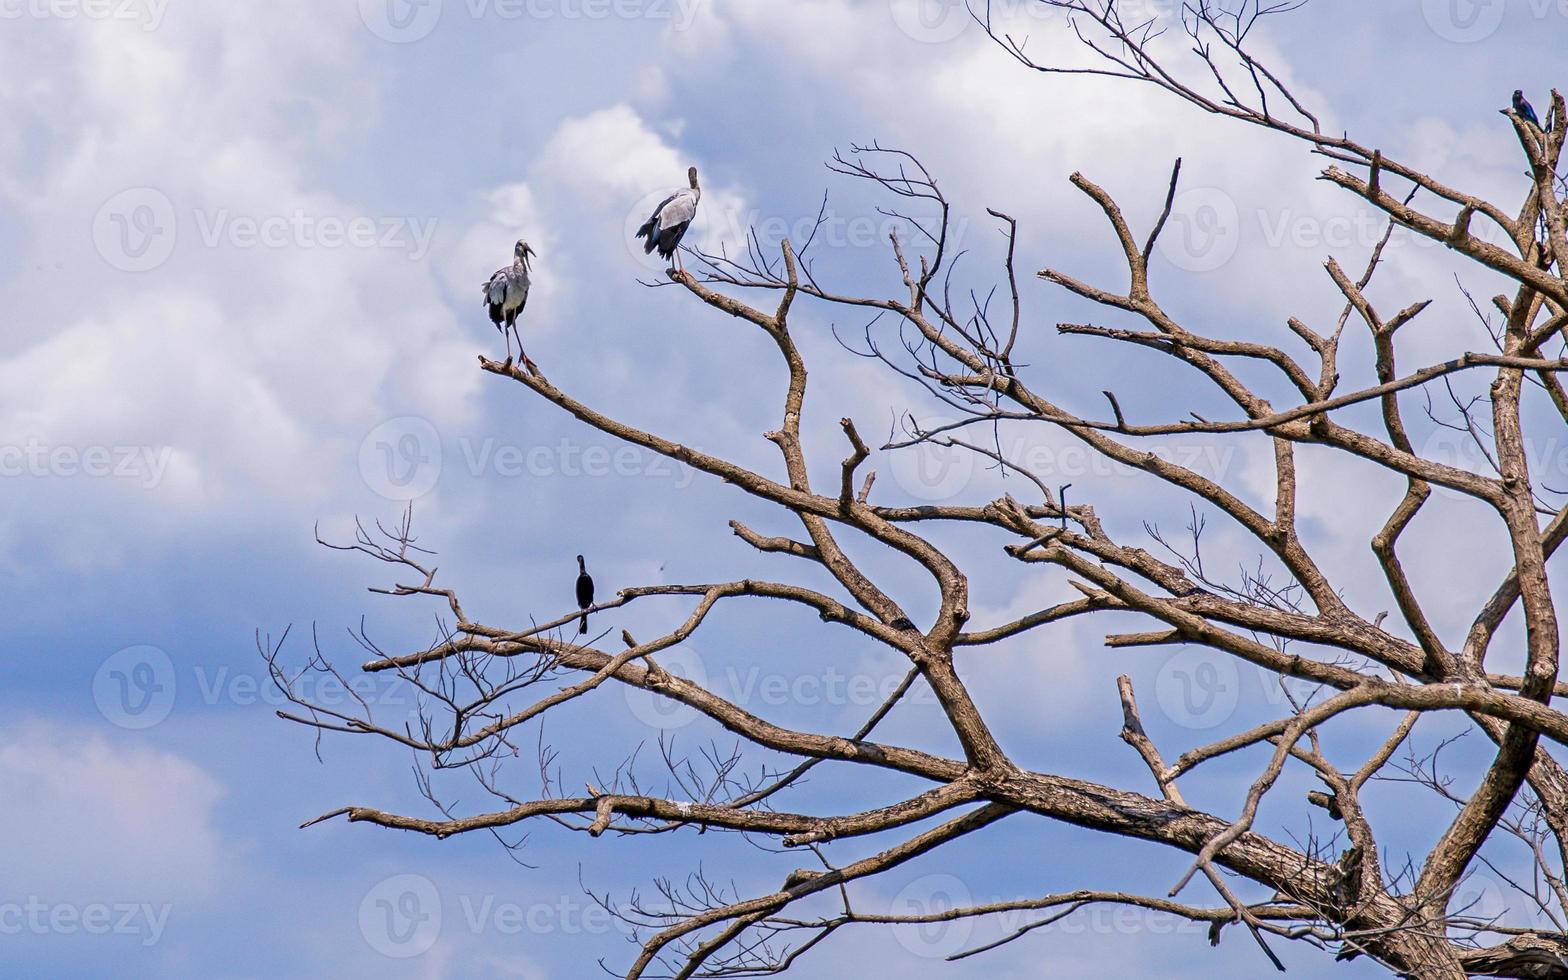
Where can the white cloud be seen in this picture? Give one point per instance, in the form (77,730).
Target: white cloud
(613,164)
(93,821)
(270,340)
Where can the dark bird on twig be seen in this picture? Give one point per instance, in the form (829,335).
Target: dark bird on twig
(1525,110)
(584,594)
(665,228)
(505,296)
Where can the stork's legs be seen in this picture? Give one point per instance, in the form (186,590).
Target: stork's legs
(521,354)
(506,332)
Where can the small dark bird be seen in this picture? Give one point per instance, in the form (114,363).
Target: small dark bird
(667,225)
(505,296)
(1525,110)
(584,594)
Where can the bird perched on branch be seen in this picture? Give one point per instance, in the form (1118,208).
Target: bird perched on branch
(1525,110)
(584,594)
(665,228)
(505,296)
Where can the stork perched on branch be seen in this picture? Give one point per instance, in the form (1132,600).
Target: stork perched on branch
(505,296)
(665,228)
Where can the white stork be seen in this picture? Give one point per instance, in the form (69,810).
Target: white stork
(505,296)
(667,225)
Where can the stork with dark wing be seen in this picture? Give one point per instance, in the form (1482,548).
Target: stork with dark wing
(665,228)
(505,296)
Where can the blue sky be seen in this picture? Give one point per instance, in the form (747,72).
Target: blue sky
(244,243)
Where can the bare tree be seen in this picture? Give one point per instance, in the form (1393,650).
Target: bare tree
(1286,616)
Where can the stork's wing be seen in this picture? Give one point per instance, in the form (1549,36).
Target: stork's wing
(678,210)
(495,289)
(650,227)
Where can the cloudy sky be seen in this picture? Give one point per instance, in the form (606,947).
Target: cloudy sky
(243,244)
